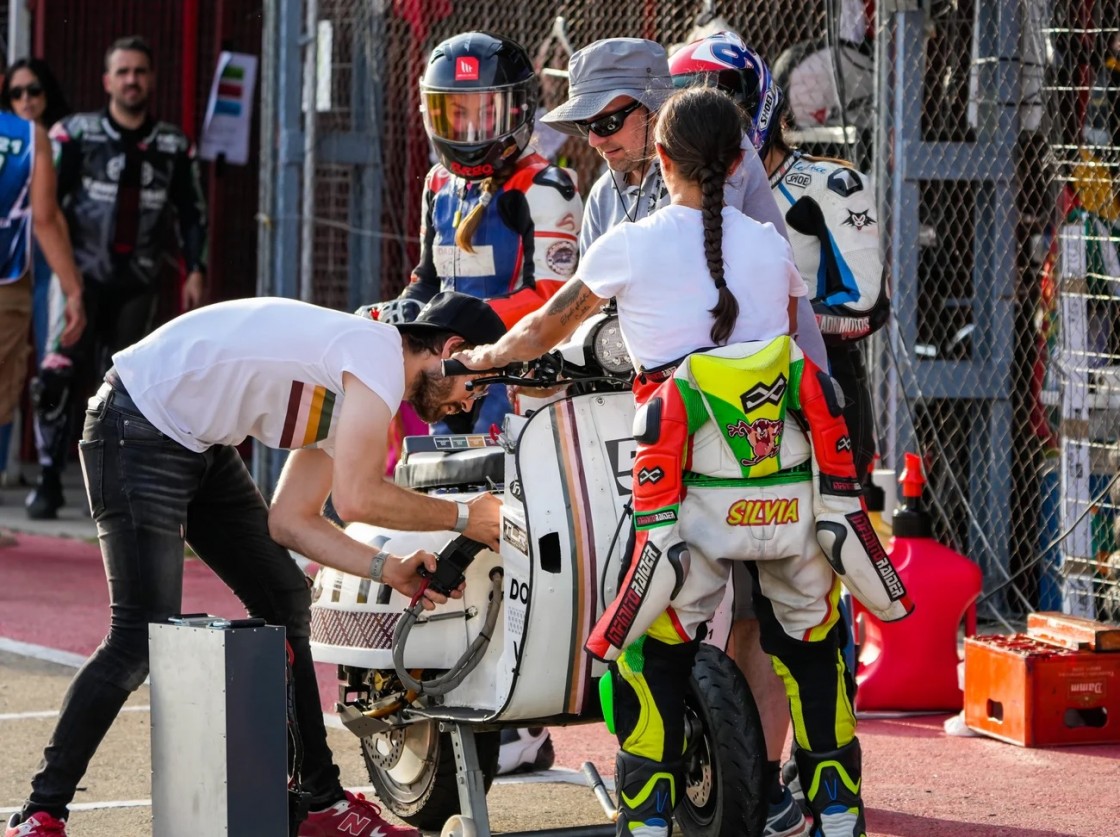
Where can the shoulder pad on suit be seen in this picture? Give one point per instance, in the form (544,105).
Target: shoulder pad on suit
(558,179)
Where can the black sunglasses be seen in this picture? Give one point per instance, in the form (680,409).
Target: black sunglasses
(33,89)
(608,123)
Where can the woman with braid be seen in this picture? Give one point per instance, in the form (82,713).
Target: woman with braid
(742,455)
(498,220)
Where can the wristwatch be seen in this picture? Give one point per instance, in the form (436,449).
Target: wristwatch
(463,518)
(377,565)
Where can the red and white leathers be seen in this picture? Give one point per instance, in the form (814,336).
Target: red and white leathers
(525,248)
(743,455)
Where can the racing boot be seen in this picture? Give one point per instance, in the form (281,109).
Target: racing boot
(647,794)
(46,498)
(831,781)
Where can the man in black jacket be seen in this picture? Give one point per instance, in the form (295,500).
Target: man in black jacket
(130,188)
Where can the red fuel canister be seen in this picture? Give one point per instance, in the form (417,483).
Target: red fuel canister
(911,665)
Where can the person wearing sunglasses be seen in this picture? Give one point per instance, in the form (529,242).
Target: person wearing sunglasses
(742,457)
(30,94)
(616,89)
(31,91)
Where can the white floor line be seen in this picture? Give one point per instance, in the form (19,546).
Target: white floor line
(91,806)
(41,652)
(53,655)
(53,713)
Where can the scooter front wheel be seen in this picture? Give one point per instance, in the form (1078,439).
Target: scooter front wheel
(725,759)
(412,768)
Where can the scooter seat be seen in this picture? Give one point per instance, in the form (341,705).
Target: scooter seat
(445,468)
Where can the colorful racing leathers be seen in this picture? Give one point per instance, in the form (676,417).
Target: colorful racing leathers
(829,209)
(524,249)
(743,455)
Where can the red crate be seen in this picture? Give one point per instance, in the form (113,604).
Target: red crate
(1027,692)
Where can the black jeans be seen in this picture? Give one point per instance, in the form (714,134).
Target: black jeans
(146,491)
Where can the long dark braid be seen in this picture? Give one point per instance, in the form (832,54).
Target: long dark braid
(700,130)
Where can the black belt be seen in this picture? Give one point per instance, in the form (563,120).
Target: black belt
(113,393)
(658,375)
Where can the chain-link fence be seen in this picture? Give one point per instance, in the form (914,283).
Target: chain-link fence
(991,128)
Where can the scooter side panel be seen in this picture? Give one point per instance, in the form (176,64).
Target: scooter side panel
(573,464)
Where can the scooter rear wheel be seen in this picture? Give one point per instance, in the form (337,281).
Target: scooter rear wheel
(725,763)
(413,771)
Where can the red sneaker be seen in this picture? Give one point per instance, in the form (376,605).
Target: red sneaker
(39,824)
(354,816)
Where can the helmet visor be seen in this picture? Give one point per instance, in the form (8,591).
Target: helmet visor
(475,116)
(741,86)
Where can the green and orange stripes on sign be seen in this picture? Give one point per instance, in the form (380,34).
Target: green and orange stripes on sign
(308,420)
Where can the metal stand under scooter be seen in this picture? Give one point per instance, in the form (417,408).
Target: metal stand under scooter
(474,821)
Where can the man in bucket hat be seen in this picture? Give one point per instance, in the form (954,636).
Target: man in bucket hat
(616,87)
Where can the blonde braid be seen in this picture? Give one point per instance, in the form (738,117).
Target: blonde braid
(465,232)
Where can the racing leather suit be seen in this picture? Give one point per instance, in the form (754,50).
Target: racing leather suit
(829,209)
(742,455)
(525,248)
(123,193)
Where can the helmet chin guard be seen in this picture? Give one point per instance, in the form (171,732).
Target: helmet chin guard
(478,99)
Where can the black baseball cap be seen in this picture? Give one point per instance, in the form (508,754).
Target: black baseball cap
(467,316)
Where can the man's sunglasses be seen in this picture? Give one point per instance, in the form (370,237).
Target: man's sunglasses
(608,123)
(33,89)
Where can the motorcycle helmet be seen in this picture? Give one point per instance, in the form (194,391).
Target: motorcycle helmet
(478,98)
(722,60)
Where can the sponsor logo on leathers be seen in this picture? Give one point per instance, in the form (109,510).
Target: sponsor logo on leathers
(765,436)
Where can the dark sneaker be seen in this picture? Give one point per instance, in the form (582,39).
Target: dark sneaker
(792,781)
(39,824)
(785,818)
(46,499)
(354,816)
(525,750)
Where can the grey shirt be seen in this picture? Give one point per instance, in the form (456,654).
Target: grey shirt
(613,200)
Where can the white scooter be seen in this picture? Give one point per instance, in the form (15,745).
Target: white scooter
(427,693)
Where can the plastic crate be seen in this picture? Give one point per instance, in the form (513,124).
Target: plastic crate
(1033,693)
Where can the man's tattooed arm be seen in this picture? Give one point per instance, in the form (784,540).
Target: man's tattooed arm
(572,303)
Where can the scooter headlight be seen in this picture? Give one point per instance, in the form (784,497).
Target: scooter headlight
(609,350)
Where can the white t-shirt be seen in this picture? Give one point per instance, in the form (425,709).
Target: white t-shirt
(658,273)
(267,368)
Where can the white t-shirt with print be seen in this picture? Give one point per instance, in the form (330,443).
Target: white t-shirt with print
(658,273)
(267,368)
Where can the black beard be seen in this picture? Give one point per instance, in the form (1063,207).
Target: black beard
(136,109)
(432,395)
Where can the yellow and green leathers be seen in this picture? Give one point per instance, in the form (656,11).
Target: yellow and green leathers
(743,455)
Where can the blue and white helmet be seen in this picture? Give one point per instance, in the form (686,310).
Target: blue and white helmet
(722,60)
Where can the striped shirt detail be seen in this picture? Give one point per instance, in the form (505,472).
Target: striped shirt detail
(308,419)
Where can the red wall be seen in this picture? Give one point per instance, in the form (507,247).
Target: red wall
(186,37)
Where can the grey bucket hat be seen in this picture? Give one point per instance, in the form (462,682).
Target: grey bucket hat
(606,69)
